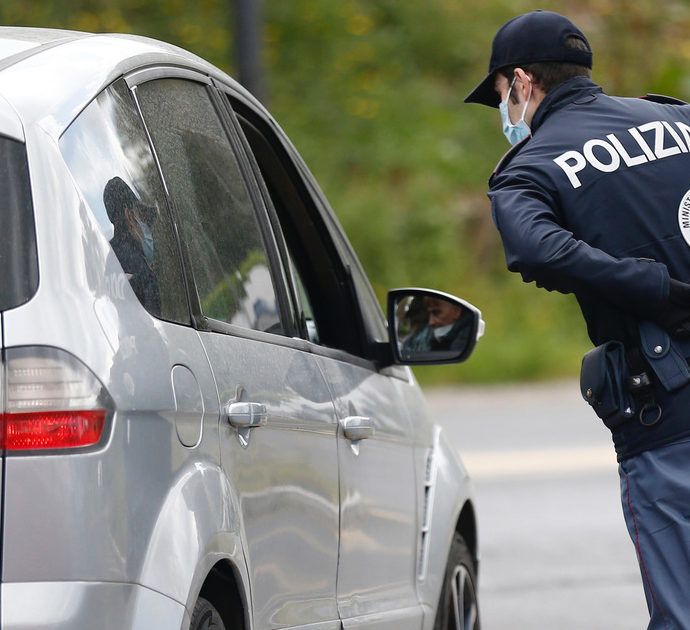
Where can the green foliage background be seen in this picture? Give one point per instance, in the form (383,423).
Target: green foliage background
(371,93)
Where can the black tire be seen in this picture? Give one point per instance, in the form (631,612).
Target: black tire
(205,617)
(458,608)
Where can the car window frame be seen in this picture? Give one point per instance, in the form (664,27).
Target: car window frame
(370,350)
(200,321)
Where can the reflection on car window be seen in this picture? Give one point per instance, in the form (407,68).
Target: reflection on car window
(374,321)
(312,328)
(132,239)
(322,262)
(110,158)
(212,205)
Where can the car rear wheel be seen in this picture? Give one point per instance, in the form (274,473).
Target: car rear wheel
(458,608)
(205,617)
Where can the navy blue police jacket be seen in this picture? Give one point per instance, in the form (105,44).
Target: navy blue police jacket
(597,203)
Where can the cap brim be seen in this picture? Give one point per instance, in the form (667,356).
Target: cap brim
(485,93)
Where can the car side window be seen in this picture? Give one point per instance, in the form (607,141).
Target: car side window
(109,156)
(211,201)
(310,325)
(327,284)
(374,320)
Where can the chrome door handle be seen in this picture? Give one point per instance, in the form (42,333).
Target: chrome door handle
(357,428)
(246,415)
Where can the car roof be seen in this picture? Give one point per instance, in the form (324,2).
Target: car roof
(17,40)
(47,76)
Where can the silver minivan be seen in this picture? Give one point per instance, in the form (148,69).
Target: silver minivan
(206,420)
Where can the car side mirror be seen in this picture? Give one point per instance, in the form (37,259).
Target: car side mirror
(430,327)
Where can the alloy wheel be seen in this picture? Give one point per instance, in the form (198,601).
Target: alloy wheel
(463,600)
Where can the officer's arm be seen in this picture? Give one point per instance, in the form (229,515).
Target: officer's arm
(541,250)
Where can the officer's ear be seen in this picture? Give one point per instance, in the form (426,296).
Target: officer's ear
(524,84)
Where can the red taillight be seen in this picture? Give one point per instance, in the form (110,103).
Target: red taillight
(51,401)
(51,429)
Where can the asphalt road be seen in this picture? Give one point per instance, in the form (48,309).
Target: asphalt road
(555,553)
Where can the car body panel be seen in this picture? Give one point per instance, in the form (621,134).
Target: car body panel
(69,605)
(10,124)
(449,492)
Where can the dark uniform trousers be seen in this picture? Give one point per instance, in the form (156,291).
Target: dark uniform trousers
(597,203)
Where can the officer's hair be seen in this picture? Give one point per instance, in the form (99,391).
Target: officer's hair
(549,74)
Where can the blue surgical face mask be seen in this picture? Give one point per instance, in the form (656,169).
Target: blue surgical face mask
(147,240)
(442,331)
(520,130)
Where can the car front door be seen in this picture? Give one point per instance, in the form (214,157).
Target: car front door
(277,422)
(379,530)
(378,525)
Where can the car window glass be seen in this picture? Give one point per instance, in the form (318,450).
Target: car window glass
(315,263)
(372,314)
(212,204)
(17,236)
(108,153)
(311,327)
(320,255)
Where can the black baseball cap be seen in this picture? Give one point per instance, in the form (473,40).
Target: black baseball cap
(117,195)
(530,38)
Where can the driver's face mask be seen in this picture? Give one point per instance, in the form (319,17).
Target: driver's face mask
(520,130)
(442,331)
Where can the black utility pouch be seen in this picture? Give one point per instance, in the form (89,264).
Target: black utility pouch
(664,356)
(602,383)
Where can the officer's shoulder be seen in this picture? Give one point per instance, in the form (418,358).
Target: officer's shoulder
(661,98)
(508,157)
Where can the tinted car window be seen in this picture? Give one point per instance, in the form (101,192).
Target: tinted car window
(311,327)
(327,283)
(212,204)
(17,236)
(108,153)
(374,321)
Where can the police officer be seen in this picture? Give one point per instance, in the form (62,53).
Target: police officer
(594,199)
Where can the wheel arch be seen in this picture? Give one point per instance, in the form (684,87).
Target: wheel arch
(466,526)
(223,587)
(451,511)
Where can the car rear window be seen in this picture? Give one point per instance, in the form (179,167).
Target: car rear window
(108,153)
(18,258)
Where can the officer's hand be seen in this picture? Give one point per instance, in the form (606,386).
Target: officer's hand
(675,317)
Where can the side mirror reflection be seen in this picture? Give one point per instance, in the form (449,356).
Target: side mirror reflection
(429,327)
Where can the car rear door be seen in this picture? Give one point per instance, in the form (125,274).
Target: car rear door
(340,318)
(277,423)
